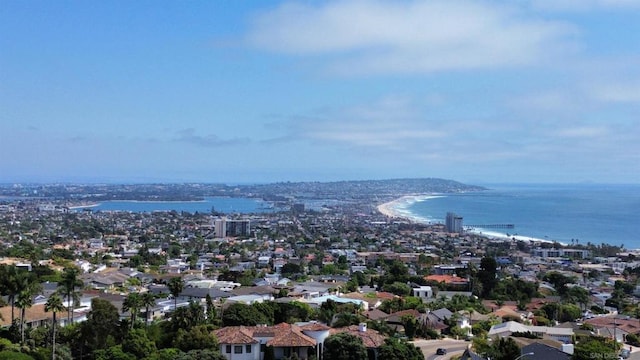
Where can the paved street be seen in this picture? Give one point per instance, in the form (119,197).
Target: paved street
(429,347)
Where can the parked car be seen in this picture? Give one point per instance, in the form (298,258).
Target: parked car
(441,351)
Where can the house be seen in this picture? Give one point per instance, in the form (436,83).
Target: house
(448,295)
(448,279)
(251,342)
(614,326)
(301,340)
(474,317)
(441,314)
(563,335)
(470,355)
(375,314)
(371,339)
(540,351)
(197,294)
(507,313)
(423,292)
(318,301)
(395,320)
(35,316)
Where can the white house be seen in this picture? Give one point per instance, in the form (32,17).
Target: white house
(423,292)
(563,335)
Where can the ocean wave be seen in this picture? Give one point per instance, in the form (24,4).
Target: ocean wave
(499,235)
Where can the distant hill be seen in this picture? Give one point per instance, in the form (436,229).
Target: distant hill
(283,191)
(361,188)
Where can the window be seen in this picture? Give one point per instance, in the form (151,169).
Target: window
(228,350)
(247,349)
(237,349)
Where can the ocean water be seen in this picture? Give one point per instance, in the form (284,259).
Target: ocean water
(583,213)
(221,204)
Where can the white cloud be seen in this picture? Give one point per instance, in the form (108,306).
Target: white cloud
(410,37)
(617,93)
(392,123)
(584,5)
(549,101)
(582,132)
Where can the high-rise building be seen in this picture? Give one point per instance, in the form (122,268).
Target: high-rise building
(220,227)
(238,227)
(453,223)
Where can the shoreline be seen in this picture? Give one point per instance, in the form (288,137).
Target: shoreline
(390,210)
(76,207)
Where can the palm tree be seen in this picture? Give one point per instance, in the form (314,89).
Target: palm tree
(147,300)
(132,304)
(54,304)
(24,300)
(10,284)
(176,285)
(68,286)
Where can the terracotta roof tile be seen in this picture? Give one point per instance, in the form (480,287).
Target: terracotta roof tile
(314,326)
(282,335)
(234,335)
(370,338)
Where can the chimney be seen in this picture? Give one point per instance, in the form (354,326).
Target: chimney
(362,327)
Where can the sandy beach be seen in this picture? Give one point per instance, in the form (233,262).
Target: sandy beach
(388,208)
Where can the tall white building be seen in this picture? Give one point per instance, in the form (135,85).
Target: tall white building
(453,223)
(220,227)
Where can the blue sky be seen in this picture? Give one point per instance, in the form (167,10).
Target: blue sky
(241,91)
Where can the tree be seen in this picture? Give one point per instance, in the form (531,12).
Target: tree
(502,349)
(132,303)
(69,287)
(241,314)
(147,300)
(113,353)
(187,317)
(397,349)
(487,275)
(596,348)
(290,269)
(14,355)
(559,281)
(197,338)
(54,305)
(137,343)
(10,285)
(24,300)
(202,354)
(176,285)
(210,311)
(410,324)
(578,295)
(344,346)
(397,288)
(102,325)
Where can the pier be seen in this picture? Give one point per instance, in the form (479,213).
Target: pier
(491,226)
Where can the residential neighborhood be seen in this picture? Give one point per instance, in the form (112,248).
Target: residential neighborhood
(292,281)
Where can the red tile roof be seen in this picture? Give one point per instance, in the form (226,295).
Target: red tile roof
(234,335)
(314,326)
(291,338)
(447,279)
(370,338)
(283,335)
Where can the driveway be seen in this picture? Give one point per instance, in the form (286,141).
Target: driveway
(429,347)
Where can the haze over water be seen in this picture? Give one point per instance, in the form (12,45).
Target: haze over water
(588,213)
